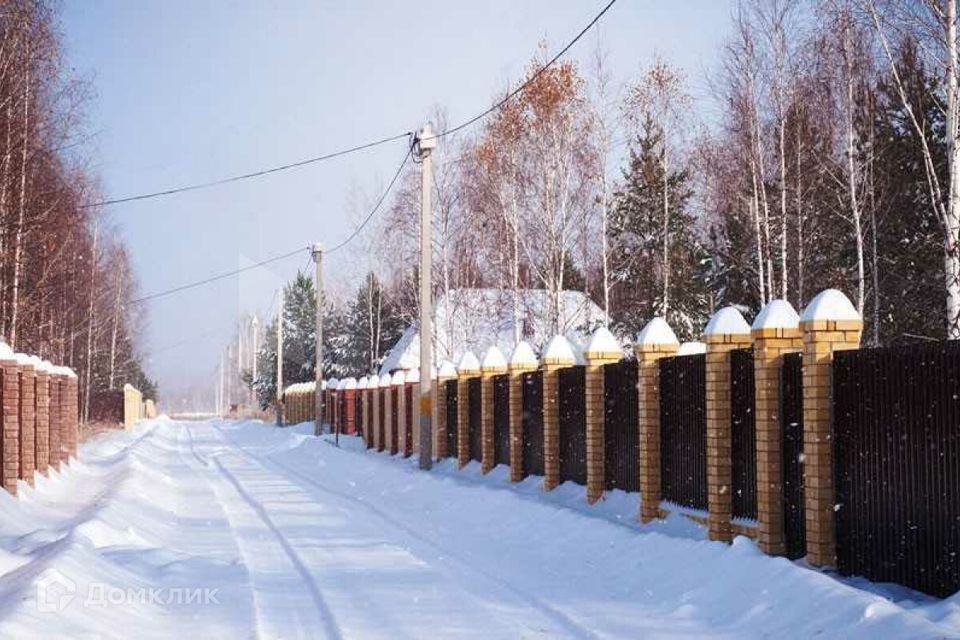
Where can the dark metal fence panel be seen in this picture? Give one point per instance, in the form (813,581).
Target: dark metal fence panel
(408,421)
(358,413)
(382,399)
(573,424)
(394,419)
(532,422)
(474,430)
(791,421)
(683,430)
(743,434)
(621,427)
(896,420)
(501,419)
(451,418)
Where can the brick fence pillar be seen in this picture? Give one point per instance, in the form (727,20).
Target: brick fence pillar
(28,420)
(469,367)
(775,332)
(446,373)
(396,396)
(829,323)
(726,331)
(10,408)
(493,364)
(557,355)
(603,349)
(42,413)
(56,416)
(522,359)
(73,411)
(656,341)
(413,379)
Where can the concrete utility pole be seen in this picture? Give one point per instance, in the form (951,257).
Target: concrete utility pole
(280,362)
(318,366)
(424,144)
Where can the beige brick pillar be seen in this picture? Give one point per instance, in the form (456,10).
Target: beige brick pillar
(656,341)
(56,417)
(557,355)
(775,332)
(376,392)
(42,413)
(493,364)
(726,331)
(387,417)
(10,411)
(446,373)
(469,367)
(603,349)
(522,360)
(829,323)
(28,419)
(397,423)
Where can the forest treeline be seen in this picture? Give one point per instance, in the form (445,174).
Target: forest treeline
(65,277)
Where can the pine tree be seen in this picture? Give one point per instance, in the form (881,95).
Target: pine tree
(372,325)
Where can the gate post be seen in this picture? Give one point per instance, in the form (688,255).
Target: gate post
(726,331)
(10,398)
(775,332)
(656,341)
(603,349)
(445,373)
(469,367)
(557,355)
(522,359)
(493,364)
(830,323)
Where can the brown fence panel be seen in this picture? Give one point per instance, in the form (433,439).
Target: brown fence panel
(573,424)
(408,421)
(451,409)
(358,413)
(791,421)
(474,429)
(621,426)
(532,422)
(394,419)
(381,397)
(501,419)
(743,434)
(896,421)
(683,430)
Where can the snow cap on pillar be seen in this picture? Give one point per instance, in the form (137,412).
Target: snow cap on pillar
(727,322)
(777,314)
(348,384)
(523,356)
(398,378)
(830,304)
(22,359)
(384,380)
(333,384)
(692,348)
(493,360)
(6,353)
(413,375)
(362,382)
(468,363)
(447,370)
(603,345)
(559,351)
(657,332)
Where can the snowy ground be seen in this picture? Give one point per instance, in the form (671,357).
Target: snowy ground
(240,530)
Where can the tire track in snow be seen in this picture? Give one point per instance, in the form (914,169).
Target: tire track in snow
(327,618)
(568,624)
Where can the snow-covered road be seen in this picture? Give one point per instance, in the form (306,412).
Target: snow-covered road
(213,529)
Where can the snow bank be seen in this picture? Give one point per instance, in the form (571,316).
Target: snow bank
(559,349)
(523,355)
(493,359)
(727,321)
(692,348)
(830,304)
(602,341)
(468,362)
(656,332)
(777,314)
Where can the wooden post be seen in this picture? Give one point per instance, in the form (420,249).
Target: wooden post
(603,349)
(557,355)
(493,364)
(522,359)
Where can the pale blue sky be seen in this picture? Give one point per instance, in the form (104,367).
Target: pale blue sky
(194,91)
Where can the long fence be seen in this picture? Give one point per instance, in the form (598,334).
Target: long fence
(786,432)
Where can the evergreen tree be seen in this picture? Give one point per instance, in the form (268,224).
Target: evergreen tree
(372,325)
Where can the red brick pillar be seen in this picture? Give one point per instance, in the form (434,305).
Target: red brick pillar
(557,355)
(28,420)
(830,323)
(493,364)
(775,332)
(603,349)
(10,407)
(413,381)
(42,398)
(394,411)
(469,367)
(56,416)
(446,373)
(522,360)
(383,412)
(656,341)
(73,411)
(726,331)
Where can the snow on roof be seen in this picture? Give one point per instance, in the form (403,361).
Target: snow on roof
(398,378)
(468,362)
(830,304)
(523,355)
(777,314)
(413,375)
(384,380)
(70,372)
(559,348)
(657,331)
(691,348)
(448,370)
(603,341)
(493,359)
(349,384)
(727,321)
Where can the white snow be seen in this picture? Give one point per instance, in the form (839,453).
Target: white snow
(333,384)
(362,382)
(727,321)
(657,331)
(22,359)
(413,375)
(348,384)
(493,359)
(448,370)
(523,355)
(777,314)
(559,349)
(602,341)
(397,378)
(468,362)
(293,537)
(385,380)
(6,353)
(692,348)
(830,304)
